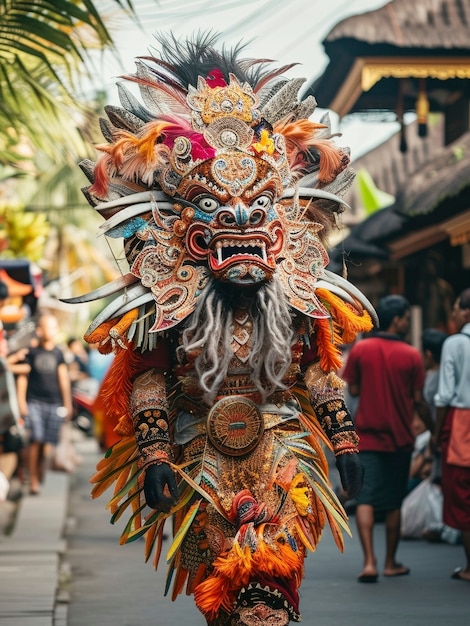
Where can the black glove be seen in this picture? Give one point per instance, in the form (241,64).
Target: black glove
(351,472)
(156,478)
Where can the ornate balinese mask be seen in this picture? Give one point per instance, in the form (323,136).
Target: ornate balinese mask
(231,169)
(235,229)
(220,176)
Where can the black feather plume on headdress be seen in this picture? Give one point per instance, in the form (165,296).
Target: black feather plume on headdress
(182,62)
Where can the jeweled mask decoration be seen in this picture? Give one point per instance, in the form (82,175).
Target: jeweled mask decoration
(221,174)
(235,229)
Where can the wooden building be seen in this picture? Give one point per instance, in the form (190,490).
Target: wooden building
(409,56)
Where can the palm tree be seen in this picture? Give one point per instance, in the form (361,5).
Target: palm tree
(44,51)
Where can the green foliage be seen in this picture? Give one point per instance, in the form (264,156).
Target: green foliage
(45,130)
(22,235)
(44,48)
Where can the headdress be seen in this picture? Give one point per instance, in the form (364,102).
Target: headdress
(218,174)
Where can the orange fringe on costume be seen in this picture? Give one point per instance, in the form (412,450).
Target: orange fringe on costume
(141,154)
(237,567)
(300,136)
(116,390)
(343,328)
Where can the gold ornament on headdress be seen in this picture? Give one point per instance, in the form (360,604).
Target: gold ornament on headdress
(209,104)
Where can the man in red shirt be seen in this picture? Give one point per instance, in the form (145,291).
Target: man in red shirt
(388,376)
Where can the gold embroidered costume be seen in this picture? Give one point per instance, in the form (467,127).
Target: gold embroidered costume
(226,329)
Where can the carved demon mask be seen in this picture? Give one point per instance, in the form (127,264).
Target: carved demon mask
(217,179)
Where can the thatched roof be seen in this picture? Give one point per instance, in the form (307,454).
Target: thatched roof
(437,191)
(402,29)
(443,178)
(429,24)
(365,239)
(389,167)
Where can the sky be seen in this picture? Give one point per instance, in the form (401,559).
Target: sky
(283,30)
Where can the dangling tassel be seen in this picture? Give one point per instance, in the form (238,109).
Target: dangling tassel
(344,272)
(403,142)
(422,109)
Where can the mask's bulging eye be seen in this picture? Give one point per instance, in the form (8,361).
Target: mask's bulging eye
(208,204)
(261,202)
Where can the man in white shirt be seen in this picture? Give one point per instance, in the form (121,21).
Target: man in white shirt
(453,409)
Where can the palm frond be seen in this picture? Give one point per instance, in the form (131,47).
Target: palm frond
(44,51)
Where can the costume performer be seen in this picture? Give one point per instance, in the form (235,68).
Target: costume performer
(227,327)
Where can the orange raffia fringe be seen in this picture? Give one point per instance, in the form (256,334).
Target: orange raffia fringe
(343,328)
(132,156)
(117,387)
(237,568)
(300,136)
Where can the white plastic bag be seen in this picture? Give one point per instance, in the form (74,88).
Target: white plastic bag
(4,487)
(420,508)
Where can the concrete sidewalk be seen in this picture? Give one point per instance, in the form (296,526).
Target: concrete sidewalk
(30,557)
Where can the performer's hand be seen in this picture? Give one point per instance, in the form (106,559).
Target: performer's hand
(351,472)
(157,477)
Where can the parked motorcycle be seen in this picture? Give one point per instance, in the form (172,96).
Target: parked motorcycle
(83,396)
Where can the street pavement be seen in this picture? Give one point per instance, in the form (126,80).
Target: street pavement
(112,586)
(62,566)
(32,547)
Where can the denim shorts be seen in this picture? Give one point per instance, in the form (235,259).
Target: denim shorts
(43,422)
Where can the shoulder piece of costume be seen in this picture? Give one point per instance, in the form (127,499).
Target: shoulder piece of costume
(217,175)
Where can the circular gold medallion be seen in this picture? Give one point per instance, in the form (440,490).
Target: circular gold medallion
(235,426)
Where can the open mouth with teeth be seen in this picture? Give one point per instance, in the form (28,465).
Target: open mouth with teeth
(236,257)
(227,251)
(241,260)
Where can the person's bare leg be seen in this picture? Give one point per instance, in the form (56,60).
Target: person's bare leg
(365,528)
(42,461)
(464,573)
(34,455)
(392,533)
(8,463)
